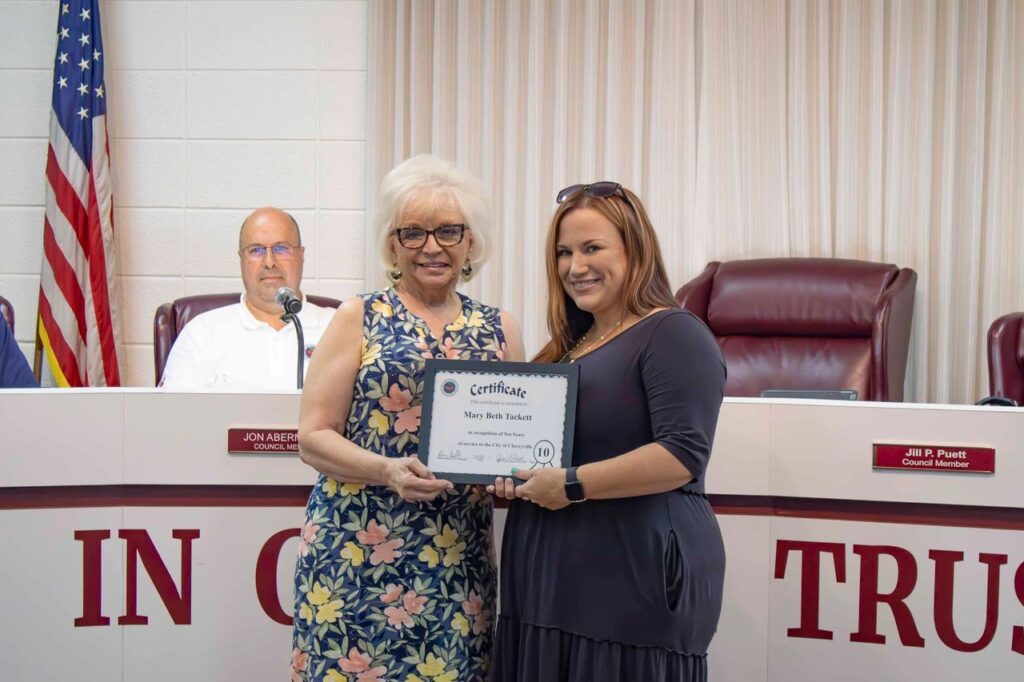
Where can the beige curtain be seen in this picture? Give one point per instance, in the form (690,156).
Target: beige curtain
(888,131)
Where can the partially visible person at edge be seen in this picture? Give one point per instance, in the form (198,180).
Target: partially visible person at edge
(14,369)
(395,578)
(627,583)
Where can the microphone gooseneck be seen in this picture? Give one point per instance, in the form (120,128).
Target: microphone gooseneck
(292,304)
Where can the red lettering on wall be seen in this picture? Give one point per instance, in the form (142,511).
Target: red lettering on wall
(140,546)
(810,588)
(945,562)
(870,597)
(266,576)
(92,578)
(1017,643)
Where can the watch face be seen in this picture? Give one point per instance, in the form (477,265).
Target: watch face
(574,491)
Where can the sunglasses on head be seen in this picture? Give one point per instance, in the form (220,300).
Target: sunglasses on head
(596,190)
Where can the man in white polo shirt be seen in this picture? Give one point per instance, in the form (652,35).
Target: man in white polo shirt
(246,346)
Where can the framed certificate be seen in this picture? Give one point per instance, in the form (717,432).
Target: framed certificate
(482,419)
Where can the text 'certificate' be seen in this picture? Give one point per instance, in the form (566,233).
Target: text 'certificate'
(482,419)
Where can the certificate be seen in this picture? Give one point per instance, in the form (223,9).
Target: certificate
(482,419)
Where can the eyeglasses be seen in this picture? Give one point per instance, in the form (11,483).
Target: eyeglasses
(444,235)
(597,190)
(258,252)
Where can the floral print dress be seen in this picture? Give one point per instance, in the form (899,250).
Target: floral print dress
(387,589)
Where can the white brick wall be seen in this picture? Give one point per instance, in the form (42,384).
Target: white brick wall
(215,108)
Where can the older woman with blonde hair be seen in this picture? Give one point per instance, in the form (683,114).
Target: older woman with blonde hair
(612,569)
(395,577)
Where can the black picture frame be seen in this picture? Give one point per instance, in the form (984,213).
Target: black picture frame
(469,367)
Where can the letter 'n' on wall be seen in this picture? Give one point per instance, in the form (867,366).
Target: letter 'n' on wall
(138,546)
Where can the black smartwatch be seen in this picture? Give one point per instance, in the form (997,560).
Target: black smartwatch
(574,486)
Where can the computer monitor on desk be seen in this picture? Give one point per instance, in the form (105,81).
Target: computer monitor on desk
(810,394)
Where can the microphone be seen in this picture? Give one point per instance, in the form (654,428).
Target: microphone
(287,299)
(292,304)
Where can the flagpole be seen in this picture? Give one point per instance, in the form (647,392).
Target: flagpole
(37,355)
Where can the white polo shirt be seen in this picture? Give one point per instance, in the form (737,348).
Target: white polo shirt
(229,349)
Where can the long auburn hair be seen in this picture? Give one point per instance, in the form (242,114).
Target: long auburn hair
(646,287)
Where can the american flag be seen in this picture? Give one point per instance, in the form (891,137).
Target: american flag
(78,323)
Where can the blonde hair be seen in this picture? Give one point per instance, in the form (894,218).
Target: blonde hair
(646,287)
(431,182)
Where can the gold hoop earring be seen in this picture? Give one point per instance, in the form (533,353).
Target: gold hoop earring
(467,270)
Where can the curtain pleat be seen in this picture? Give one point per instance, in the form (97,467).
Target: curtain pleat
(886,131)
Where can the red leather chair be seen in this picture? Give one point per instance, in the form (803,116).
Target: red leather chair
(172,317)
(1006,357)
(808,323)
(7,310)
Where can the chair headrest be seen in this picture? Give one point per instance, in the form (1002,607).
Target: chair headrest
(187,308)
(797,297)
(7,310)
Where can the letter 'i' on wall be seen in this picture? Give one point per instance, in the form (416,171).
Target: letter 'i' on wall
(138,546)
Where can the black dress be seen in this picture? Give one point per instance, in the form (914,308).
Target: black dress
(626,589)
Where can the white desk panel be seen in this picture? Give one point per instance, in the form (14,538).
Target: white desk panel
(61,437)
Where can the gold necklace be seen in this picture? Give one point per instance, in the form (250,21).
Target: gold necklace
(593,345)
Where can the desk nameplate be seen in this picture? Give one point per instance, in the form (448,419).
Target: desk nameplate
(964,459)
(263,441)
